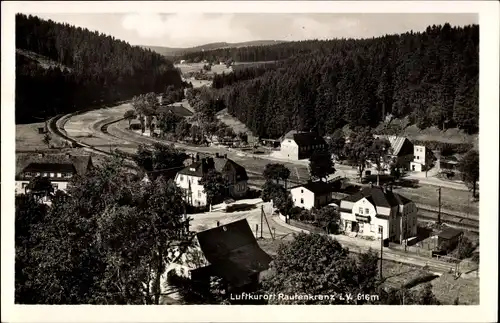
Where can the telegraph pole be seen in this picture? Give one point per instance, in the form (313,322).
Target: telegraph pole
(381,248)
(261,222)
(439,205)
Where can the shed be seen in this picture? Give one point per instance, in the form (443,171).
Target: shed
(449,238)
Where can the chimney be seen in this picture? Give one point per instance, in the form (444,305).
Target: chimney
(217,155)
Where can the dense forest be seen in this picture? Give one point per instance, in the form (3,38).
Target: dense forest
(431,77)
(100,69)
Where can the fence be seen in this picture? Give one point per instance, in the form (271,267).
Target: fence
(412,249)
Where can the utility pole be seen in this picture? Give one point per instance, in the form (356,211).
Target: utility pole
(381,248)
(267,222)
(261,222)
(439,205)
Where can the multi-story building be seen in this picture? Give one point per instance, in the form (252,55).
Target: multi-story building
(189,178)
(300,145)
(423,159)
(312,194)
(379,213)
(59,168)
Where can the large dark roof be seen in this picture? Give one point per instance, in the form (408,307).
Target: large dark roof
(221,165)
(233,252)
(377,196)
(52,163)
(450,233)
(166,173)
(317,187)
(305,138)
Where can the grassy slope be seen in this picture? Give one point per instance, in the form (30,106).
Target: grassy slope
(452,135)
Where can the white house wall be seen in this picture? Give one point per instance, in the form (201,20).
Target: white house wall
(197,191)
(20,185)
(289,149)
(300,194)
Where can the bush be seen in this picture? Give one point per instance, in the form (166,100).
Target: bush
(464,249)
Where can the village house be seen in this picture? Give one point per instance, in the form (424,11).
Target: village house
(423,159)
(312,194)
(300,145)
(188,178)
(228,251)
(376,211)
(401,152)
(59,168)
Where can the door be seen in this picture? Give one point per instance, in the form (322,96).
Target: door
(355,227)
(413,167)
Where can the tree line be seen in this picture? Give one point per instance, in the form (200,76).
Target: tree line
(93,69)
(429,77)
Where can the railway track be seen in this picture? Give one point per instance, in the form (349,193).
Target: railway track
(470,223)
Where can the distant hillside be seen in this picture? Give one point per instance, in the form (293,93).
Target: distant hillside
(62,69)
(173,51)
(430,77)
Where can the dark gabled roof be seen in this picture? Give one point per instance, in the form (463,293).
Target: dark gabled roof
(377,197)
(166,173)
(304,138)
(317,187)
(450,233)
(46,167)
(221,165)
(194,169)
(52,162)
(233,252)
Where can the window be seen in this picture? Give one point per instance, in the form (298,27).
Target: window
(380,229)
(45,174)
(59,175)
(52,175)
(367,211)
(360,210)
(301,191)
(181,178)
(301,201)
(37,174)
(418,157)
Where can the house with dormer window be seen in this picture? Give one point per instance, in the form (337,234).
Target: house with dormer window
(59,168)
(189,177)
(379,213)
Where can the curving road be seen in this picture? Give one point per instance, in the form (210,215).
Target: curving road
(87,128)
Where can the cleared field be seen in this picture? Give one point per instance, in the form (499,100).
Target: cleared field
(452,135)
(453,200)
(196,67)
(28,138)
(235,124)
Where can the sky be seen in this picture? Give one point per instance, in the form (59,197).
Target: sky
(193,29)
